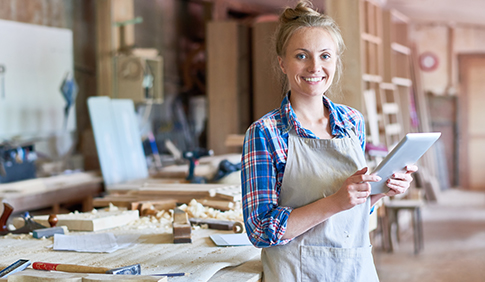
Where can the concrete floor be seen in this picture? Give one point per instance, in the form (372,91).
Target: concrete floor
(454,243)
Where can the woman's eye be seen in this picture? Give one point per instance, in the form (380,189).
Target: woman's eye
(325,56)
(301,56)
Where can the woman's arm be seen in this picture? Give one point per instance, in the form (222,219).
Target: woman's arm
(265,221)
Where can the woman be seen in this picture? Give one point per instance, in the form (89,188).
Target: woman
(306,192)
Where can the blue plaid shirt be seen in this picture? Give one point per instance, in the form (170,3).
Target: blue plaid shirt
(263,164)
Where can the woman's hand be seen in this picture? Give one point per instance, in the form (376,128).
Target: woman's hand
(400,182)
(355,189)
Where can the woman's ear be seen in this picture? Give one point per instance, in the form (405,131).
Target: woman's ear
(281,63)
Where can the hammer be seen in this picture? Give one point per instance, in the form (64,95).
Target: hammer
(134,269)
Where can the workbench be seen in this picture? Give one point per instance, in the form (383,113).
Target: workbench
(154,251)
(51,192)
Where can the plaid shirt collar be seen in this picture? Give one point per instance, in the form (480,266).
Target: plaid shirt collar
(339,120)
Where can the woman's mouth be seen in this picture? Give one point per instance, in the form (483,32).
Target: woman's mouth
(313,79)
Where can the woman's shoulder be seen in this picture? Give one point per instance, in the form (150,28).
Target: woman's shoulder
(270,122)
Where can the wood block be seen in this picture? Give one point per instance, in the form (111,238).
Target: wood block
(92,221)
(156,205)
(181,227)
(232,193)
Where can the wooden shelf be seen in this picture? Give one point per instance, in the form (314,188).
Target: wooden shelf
(371,38)
(400,81)
(371,78)
(400,48)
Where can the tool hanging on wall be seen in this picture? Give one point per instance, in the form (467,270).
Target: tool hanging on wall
(69,91)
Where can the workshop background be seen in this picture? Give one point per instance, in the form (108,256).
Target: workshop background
(198,72)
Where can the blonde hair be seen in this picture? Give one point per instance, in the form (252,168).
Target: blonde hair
(303,15)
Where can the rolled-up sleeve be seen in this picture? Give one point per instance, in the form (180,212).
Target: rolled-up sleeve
(265,221)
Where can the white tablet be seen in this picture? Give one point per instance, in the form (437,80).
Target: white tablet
(407,152)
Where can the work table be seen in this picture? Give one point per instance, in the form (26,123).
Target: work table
(154,251)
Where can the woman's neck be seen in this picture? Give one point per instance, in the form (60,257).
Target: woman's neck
(313,115)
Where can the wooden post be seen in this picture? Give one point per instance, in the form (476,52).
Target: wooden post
(107,39)
(347,15)
(227,83)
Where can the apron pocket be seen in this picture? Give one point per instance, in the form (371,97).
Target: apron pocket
(326,264)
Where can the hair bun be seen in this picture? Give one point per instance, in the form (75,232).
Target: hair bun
(303,8)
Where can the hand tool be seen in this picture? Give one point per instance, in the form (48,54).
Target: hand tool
(48,232)
(181,227)
(193,158)
(7,211)
(225,168)
(218,224)
(171,274)
(134,269)
(15,267)
(30,224)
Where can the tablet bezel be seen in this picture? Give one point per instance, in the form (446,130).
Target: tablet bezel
(407,152)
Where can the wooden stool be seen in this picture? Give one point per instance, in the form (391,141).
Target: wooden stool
(392,209)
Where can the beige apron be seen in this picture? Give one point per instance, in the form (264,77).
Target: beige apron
(337,250)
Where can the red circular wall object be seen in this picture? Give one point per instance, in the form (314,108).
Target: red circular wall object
(428,61)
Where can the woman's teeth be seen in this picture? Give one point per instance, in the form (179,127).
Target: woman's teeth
(313,79)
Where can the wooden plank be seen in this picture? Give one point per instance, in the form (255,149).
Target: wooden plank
(231,193)
(250,271)
(371,38)
(400,48)
(92,221)
(227,83)
(267,88)
(181,227)
(347,15)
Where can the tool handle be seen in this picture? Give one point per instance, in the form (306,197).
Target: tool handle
(68,267)
(7,210)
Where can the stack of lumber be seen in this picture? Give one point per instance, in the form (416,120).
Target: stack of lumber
(143,194)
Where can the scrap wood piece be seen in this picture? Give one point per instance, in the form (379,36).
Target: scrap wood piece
(232,193)
(148,207)
(90,221)
(219,204)
(181,227)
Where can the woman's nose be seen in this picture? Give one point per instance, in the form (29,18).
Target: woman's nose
(314,66)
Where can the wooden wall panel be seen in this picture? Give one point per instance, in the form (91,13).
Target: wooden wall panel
(347,15)
(227,83)
(267,88)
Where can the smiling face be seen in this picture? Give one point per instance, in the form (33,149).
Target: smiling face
(309,61)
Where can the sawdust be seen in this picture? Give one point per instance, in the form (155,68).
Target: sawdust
(196,209)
